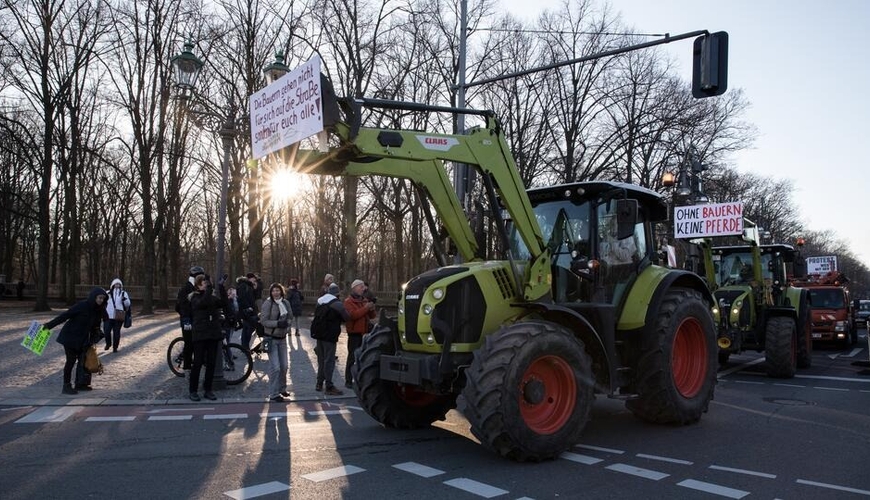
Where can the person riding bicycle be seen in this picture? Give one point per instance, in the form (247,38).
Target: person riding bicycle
(182,307)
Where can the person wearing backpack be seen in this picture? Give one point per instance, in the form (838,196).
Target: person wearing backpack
(325,329)
(274,314)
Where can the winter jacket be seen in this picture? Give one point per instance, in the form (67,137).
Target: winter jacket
(118,299)
(336,315)
(247,300)
(294,296)
(206,314)
(359,315)
(270,315)
(182,304)
(81,322)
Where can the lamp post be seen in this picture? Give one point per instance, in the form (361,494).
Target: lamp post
(187,68)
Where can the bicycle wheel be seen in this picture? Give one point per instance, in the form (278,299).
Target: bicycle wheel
(174,356)
(237,364)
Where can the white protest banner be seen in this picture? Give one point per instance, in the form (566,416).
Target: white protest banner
(36,338)
(821,265)
(287,111)
(715,219)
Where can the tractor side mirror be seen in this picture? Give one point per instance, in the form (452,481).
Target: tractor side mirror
(626,218)
(710,65)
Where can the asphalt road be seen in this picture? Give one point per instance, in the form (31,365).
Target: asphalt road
(136,437)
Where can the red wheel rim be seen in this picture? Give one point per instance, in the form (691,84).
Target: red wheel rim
(547,394)
(412,396)
(689,359)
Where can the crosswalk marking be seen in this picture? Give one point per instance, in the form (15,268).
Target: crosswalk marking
(327,412)
(50,414)
(225,416)
(475,487)
(257,490)
(418,469)
(583,459)
(743,471)
(170,417)
(637,471)
(714,489)
(119,418)
(325,475)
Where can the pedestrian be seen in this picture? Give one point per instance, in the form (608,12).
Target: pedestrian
(247,299)
(80,331)
(116,310)
(19,289)
(275,313)
(231,312)
(206,311)
(330,314)
(327,280)
(361,310)
(182,307)
(295,298)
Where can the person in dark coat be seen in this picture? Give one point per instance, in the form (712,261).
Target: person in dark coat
(334,315)
(248,313)
(81,329)
(182,307)
(206,314)
(294,296)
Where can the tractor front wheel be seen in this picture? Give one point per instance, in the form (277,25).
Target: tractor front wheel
(393,404)
(529,391)
(676,374)
(780,347)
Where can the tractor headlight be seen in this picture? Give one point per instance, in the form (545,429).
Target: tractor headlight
(438,293)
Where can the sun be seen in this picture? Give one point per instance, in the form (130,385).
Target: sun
(285,185)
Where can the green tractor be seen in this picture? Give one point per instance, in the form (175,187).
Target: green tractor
(572,306)
(756,307)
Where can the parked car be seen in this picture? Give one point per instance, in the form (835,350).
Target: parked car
(861,312)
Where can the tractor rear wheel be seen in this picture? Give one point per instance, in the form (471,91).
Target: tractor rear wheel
(805,334)
(780,347)
(529,390)
(393,404)
(676,374)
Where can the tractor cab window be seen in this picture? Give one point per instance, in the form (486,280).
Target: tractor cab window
(619,257)
(734,269)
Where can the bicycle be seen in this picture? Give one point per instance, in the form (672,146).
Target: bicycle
(237,364)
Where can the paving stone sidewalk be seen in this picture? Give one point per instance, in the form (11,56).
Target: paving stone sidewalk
(138,373)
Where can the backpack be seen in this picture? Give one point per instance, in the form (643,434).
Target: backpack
(318,324)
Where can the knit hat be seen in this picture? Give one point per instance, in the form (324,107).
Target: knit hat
(356,283)
(250,275)
(333,289)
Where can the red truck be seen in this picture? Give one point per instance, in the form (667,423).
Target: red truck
(831,307)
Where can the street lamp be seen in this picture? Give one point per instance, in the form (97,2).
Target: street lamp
(188,67)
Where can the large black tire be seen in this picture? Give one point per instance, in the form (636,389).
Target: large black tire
(780,347)
(529,390)
(676,374)
(396,405)
(805,334)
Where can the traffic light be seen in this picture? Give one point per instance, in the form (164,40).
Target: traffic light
(710,65)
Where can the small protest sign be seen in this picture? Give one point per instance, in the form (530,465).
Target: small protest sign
(36,338)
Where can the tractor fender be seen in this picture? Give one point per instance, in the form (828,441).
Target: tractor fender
(602,367)
(643,302)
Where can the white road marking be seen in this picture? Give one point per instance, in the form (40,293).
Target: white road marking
(637,471)
(282,414)
(354,407)
(225,416)
(664,459)
(583,459)
(258,490)
(715,489)
(476,488)
(111,419)
(842,379)
(16,408)
(327,412)
(789,385)
(49,414)
(748,382)
(325,475)
(834,487)
(418,469)
(166,410)
(831,388)
(743,471)
(737,368)
(833,356)
(170,417)
(597,448)
(853,353)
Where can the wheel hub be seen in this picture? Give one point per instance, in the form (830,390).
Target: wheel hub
(533,391)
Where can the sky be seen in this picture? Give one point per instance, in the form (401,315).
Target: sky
(805,68)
